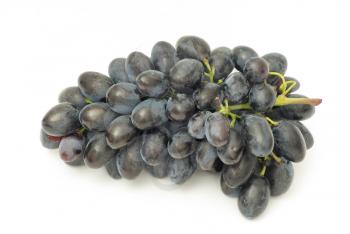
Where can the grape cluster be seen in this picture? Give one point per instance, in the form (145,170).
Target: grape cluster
(185,109)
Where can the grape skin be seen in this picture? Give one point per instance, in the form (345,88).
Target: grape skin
(180,170)
(262,97)
(192,47)
(196,124)
(136,63)
(236,88)
(116,70)
(232,152)
(73,96)
(221,59)
(280,176)
(217,129)
(277,62)
(94,85)
(206,156)
(112,169)
(71,148)
(152,83)
(180,107)
(123,97)
(241,54)
(256,70)
(182,144)
(49,142)
(163,56)
(154,147)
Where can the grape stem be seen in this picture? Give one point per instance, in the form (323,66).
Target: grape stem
(276,158)
(211,70)
(87,101)
(225,110)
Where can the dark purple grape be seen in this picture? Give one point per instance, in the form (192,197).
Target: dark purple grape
(207,97)
(237,174)
(163,56)
(49,142)
(262,97)
(232,152)
(116,70)
(94,85)
(280,176)
(196,124)
(73,96)
(221,59)
(206,156)
(120,132)
(123,97)
(180,107)
(258,135)
(241,54)
(76,163)
(289,142)
(61,120)
(185,75)
(171,127)
(227,190)
(182,144)
(154,147)
(129,161)
(309,139)
(97,153)
(236,88)
(150,113)
(192,47)
(277,62)
(136,63)
(217,129)
(112,169)
(161,169)
(256,70)
(254,197)
(71,148)
(152,83)
(180,170)
(96,116)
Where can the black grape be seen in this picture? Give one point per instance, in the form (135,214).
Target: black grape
(241,54)
(161,169)
(123,97)
(49,142)
(262,97)
(154,147)
(196,124)
(256,70)
(289,142)
(180,107)
(136,63)
(152,83)
(254,197)
(206,156)
(232,152)
(61,120)
(207,97)
(163,56)
(116,70)
(227,190)
(71,148)
(149,114)
(94,85)
(192,47)
(280,176)
(217,129)
(96,116)
(236,88)
(74,96)
(185,75)
(180,170)
(221,59)
(309,139)
(277,62)
(97,153)
(112,169)
(182,144)
(120,132)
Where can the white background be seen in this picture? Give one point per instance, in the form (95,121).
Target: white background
(45,45)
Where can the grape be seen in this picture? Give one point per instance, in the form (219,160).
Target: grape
(163,56)
(192,47)
(71,148)
(180,107)
(309,139)
(129,161)
(94,85)
(227,190)
(148,114)
(154,147)
(221,59)
(256,70)
(236,88)
(112,169)
(136,63)
(185,75)
(49,142)
(123,97)
(237,174)
(258,135)
(206,156)
(196,124)
(61,120)
(77,162)
(254,196)
(161,169)
(232,152)
(292,111)
(262,97)
(217,129)
(182,144)
(73,96)
(171,127)
(280,176)
(120,132)
(180,170)
(96,116)
(289,142)
(116,70)
(97,153)
(241,54)
(207,97)
(277,62)
(152,83)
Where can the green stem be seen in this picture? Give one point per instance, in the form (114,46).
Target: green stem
(276,158)
(282,100)
(283,86)
(88,101)
(244,106)
(274,123)
(211,70)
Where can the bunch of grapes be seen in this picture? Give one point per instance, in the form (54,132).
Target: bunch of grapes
(185,109)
